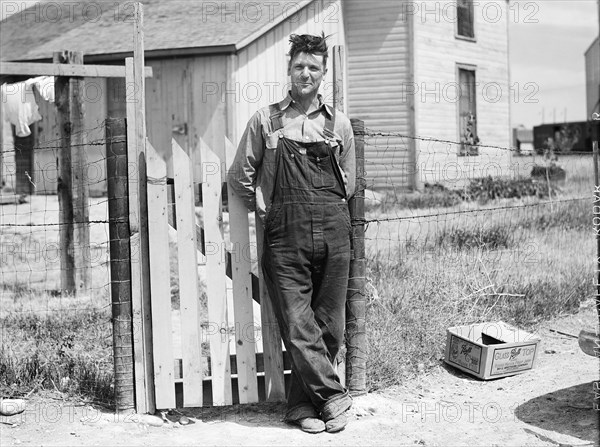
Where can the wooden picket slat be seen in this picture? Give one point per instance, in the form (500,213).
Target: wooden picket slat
(188,278)
(218,328)
(241,271)
(158,233)
(271,337)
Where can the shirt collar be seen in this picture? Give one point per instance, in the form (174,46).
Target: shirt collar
(289,100)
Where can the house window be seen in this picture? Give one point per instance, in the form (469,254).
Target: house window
(464,14)
(467,113)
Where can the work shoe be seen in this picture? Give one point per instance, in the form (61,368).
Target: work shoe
(336,424)
(310,425)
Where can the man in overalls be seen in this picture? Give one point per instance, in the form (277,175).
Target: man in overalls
(295,166)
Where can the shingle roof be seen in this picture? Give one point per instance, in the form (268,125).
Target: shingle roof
(100,28)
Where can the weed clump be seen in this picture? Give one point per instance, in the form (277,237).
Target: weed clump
(489,188)
(492,238)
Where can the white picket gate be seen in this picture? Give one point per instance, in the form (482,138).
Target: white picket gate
(224,348)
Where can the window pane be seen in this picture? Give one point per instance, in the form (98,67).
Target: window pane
(467,109)
(464,12)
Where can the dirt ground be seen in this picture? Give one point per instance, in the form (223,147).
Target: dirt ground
(551,405)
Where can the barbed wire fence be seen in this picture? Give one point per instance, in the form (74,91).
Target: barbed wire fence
(498,236)
(464,250)
(55,337)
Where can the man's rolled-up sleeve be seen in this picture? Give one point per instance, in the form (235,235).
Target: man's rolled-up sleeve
(241,176)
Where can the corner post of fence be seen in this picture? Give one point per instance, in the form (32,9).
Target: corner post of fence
(120,267)
(72,188)
(356,302)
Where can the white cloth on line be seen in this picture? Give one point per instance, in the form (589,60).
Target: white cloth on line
(19,107)
(45,85)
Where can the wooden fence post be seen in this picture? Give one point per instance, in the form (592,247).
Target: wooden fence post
(72,189)
(356,303)
(120,268)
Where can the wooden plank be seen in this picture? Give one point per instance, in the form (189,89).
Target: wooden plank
(259,359)
(189,297)
(140,280)
(137,282)
(271,337)
(339,104)
(158,234)
(87,71)
(338,78)
(136,131)
(218,332)
(241,274)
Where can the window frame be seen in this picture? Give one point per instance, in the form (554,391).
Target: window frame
(461,151)
(457,34)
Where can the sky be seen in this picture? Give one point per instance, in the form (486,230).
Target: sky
(548,39)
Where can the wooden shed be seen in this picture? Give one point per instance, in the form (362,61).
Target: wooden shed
(214,63)
(413,70)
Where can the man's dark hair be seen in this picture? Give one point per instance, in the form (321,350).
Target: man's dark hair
(307,43)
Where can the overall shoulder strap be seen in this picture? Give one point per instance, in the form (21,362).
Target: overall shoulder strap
(275,117)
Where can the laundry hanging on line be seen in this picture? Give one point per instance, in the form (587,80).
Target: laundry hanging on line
(45,85)
(18,102)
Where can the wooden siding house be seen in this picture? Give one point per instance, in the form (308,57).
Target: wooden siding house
(215,63)
(419,69)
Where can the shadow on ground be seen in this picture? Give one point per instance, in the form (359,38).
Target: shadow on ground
(569,411)
(266,414)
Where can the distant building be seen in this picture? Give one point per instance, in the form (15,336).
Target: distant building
(575,136)
(592,78)
(523,140)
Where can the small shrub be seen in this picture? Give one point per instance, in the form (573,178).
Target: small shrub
(491,238)
(433,196)
(490,188)
(551,172)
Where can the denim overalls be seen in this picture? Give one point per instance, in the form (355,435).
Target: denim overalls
(305,262)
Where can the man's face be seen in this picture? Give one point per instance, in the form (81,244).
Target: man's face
(306,72)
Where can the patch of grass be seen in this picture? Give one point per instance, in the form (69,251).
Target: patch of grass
(481,190)
(67,350)
(433,196)
(490,188)
(571,215)
(521,266)
(491,238)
